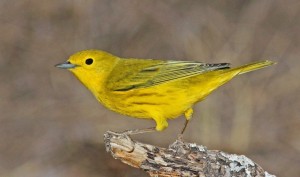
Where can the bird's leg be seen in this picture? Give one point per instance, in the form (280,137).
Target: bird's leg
(188,115)
(180,136)
(133,132)
(185,125)
(138,131)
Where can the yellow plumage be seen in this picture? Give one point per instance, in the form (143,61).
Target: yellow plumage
(150,89)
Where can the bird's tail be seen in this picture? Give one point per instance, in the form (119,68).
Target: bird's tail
(253,66)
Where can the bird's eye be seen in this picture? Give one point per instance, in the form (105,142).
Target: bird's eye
(89,61)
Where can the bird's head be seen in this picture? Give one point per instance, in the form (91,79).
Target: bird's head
(91,67)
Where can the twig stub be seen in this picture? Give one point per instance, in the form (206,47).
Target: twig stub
(180,159)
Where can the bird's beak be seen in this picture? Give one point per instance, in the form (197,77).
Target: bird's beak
(65,65)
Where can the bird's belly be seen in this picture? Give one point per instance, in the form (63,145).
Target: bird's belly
(148,104)
(145,111)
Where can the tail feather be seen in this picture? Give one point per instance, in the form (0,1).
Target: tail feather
(254,66)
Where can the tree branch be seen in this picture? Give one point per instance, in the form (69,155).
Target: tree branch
(180,159)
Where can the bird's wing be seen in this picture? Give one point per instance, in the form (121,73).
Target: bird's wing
(147,73)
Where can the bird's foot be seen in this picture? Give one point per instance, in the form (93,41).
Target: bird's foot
(178,146)
(126,134)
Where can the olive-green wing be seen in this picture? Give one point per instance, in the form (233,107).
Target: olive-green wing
(133,73)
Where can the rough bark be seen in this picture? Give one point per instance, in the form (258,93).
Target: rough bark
(180,159)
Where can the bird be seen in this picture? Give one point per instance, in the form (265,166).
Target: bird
(155,89)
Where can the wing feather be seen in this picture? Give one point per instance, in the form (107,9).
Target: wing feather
(139,74)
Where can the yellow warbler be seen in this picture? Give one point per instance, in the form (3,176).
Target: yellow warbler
(150,89)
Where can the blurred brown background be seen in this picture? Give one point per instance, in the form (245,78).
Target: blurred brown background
(51,126)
